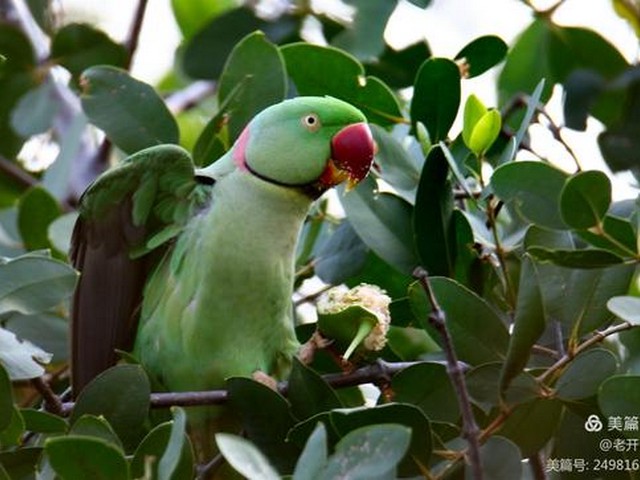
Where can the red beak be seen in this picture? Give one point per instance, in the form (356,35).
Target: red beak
(352,151)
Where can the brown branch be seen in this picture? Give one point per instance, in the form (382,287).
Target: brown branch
(17,174)
(470,429)
(133,39)
(52,402)
(190,96)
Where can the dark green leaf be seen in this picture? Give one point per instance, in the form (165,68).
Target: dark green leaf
(478,338)
(383,221)
(36,210)
(41,422)
(129,111)
(585,199)
(154,446)
(409,343)
(308,393)
(258,64)
(317,70)
(421,3)
(95,427)
(532,424)
(78,47)
(398,69)
(20,464)
(619,236)
(534,189)
(192,15)
(314,456)
(483,383)
(582,88)
(619,396)
(427,386)
(587,258)
(11,436)
(626,308)
(432,219)
(526,64)
(500,459)
(585,373)
(6,399)
(364,38)
(268,426)
(80,458)
(206,53)
(529,323)
(245,457)
(482,54)
(369,452)
(16,48)
(121,395)
(436,97)
(341,256)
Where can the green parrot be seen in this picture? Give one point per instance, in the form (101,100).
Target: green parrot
(192,269)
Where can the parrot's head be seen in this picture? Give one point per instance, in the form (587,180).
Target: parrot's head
(312,143)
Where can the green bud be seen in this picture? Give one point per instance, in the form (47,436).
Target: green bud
(474,109)
(485,132)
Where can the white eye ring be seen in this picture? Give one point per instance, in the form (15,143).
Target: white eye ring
(311,122)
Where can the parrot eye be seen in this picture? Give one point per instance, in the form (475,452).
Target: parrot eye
(311,122)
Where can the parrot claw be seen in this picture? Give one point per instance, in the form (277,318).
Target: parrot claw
(265,379)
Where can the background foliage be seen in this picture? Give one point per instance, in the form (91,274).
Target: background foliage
(534,266)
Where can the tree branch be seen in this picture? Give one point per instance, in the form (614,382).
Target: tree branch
(470,430)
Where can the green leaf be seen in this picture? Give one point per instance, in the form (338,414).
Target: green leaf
(78,47)
(21,359)
(474,110)
(433,227)
(619,396)
(342,256)
(6,398)
(121,395)
(478,338)
(205,54)
(317,70)
(485,132)
(12,434)
(586,258)
(626,308)
(482,53)
(483,383)
(60,230)
(193,15)
(129,111)
(41,422)
(35,111)
(369,452)
(436,97)
(529,323)
(245,457)
(50,331)
(347,327)
(21,463)
(268,426)
(95,427)
(16,48)
(396,68)
(36,210)
(308,393)
(585,373)
(154,445)
(500,460)
(585,199)
(314,456)
(258,63)
(428,387)
(34,283)
(79,458)
(383,222)
(364,38)
(170,460)
(534,189)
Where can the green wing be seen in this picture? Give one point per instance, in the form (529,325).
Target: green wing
(128,219)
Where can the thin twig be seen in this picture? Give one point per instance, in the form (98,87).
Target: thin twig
(190,96)
(134,32)
(52,402)
(16,174)
(470,430)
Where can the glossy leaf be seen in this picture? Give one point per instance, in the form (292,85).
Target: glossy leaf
(12,434)
(129,111)
(95,427)
(21,359)
(369,452)
(478,338)
(314,456)
(317,70)
(192,15)
(474,110)
(383,222)
(585,199)
(500,460)
(258,65)
(585,373)
(482,53)
(533,189)
(78,47)
(121,395)
(626,308)
(36,210)
(427,386)
(529,323)
(76,458)
(342,256)
(586,258)
(619,396)
(245,457)
(41,422)
(308,393)
(206,52)
(484,385)
(619,236)
(34,283)
(436,97)
(154,445)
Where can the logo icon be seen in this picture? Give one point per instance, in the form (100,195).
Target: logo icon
(593,424)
